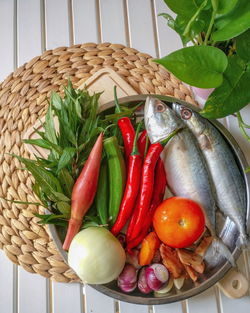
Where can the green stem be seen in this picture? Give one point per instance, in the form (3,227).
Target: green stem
(241,120)
(117,106)
(187,29)
(210,28)
(242,127)
(166,140)
(135,148)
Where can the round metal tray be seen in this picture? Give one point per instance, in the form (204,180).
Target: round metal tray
(211,276)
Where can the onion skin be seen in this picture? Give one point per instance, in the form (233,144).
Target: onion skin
(127,280)
(132,258)
(157,275)
(142,282)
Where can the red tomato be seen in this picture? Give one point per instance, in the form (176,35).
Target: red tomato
(179,222)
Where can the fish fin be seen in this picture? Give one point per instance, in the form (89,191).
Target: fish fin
(218,248)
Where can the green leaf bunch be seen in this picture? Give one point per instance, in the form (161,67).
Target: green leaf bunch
(218,31)
(69,145)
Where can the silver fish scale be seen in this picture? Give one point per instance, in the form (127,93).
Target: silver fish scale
(227,179)
(187,173)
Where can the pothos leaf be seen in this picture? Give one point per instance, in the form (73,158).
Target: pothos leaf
(200,66)
(229,97)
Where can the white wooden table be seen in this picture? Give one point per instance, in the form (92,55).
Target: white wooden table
(27,28)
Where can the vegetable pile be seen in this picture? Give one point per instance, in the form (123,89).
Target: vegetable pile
(103,179)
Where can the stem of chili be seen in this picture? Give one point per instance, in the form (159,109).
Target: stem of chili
(132,187)
(126,128)
(147,184)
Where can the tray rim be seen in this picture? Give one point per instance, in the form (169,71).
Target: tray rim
(225,267)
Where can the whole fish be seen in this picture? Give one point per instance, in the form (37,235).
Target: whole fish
(227,179)
(184,163)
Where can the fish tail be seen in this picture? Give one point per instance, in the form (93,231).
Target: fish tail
(243,242)
(218,248)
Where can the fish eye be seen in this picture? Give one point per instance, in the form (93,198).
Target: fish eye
(186,114)
(160,107)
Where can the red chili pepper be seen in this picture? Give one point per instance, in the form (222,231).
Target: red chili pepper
(131,189)
(141,143)
(146,190)
(159,190)
(147,184)
(126,128)
(128,135)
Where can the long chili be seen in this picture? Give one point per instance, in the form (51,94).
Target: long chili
(159,190)
(141,143)
(126,128)
(147,184)
(131,189)
(117,176)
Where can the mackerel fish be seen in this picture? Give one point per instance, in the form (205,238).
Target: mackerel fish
(227,179)
(184,163)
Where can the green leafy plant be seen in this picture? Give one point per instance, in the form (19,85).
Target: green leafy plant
(219,57)
(79,123)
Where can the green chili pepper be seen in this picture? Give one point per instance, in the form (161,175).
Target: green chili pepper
(117,173)
(101,199)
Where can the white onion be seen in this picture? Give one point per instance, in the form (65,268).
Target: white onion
(96,256)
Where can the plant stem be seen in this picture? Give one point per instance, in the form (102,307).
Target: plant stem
(187,29)
(242,126)
(210,28)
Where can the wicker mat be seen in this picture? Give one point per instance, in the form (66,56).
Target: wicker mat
(23,99)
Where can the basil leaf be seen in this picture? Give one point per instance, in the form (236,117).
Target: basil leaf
(200,66)
(64,208)
(234,23)
(225,6)
(59,196)
(66,181)
(56,101)
(46,144)
(49,126)
(66,157)
(46,180)
(232,95)
(243,45)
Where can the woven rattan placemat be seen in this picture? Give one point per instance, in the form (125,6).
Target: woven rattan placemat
(23,99)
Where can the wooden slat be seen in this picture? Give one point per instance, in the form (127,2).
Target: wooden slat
(29,30)
(57,23)
(112,21)
(6,38)
(8,284)
(206,301)
(141,26)
(67,298)
(97,302)
(85,21)
(169,41)
(169,308)
(237,305)
(133,308)
(32,293)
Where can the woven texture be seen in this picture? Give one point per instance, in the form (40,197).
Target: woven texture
(23,99)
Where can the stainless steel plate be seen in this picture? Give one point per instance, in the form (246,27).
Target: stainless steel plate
(212,275)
